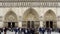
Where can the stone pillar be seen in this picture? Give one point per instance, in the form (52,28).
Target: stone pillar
(20,24)
(1,24)
(58,24)
(41,24)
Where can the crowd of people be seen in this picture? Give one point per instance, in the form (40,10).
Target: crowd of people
(48,30)
(28,30)
(19,30)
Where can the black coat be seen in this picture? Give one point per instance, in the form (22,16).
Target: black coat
(5,29)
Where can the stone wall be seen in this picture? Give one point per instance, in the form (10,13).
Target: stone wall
(19,11)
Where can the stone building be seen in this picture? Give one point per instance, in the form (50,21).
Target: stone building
(30,13)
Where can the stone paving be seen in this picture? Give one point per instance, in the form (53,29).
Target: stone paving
(9,32)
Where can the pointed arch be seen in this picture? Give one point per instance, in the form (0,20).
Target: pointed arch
(31,19)
(30,12)
(10,16)
(50,19)
(49,15)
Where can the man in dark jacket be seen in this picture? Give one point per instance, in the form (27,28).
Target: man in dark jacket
(19,31)
(16,30)
(32,30)
(40,30)
(23,30)
(29,32)
(43,30)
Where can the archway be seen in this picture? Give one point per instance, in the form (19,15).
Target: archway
(30,19)
(50,19)
(10,20)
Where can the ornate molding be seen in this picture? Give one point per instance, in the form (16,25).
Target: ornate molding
(29,4)
(31,0)
(1,18)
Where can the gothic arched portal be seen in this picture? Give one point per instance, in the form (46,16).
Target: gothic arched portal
(50,19)
(30,19)
(10,20)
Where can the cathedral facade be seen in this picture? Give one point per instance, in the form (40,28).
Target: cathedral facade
(30,13)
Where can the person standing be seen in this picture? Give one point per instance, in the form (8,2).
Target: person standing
(5,30)
(16,30)
(49,31)
(19,31)
(26,31)
(0,30)
(59,30)
(40,30)
(43,30)
(29,32)
(32,30)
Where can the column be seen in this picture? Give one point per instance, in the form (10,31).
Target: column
(1,24)
(19,24)
(41,24)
